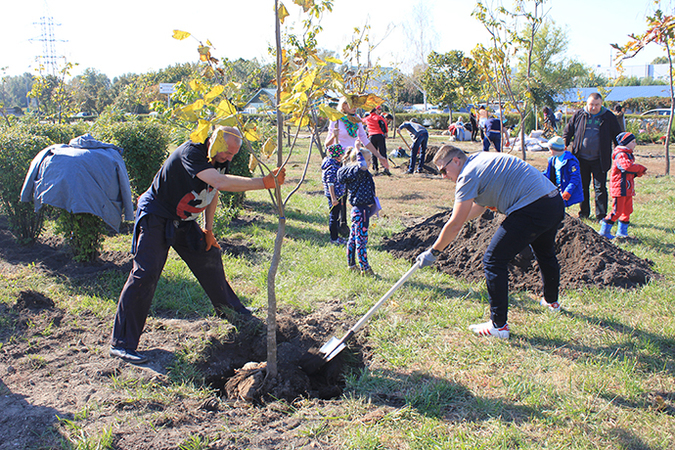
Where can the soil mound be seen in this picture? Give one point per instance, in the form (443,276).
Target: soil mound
(586,258)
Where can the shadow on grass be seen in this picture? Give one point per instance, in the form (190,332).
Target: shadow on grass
(652,351)
(438,398)
(656,245)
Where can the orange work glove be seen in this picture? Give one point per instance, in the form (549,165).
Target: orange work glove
(268,180)
(566,196)
(210,240)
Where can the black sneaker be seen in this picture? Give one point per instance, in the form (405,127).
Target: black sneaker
(128,354)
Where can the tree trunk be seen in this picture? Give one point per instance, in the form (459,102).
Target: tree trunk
(672,107)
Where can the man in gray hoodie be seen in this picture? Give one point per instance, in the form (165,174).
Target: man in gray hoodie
(591,132)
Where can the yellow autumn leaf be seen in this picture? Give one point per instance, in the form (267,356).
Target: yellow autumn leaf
(201,133)
(306,4)
(225,108)
(316,60)
(269,147)
(230,121)
(251,133)
(204,53)
(185,113)
(252,163)
(301,121)
(305,81)
(330,113)
(180,35)
(208,72)
(198,104)
(213,93)
(365,101)
(288,106)
(209,43)
(330,59)
(283,13)
(217,143)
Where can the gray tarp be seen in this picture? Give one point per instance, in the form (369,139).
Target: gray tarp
(85,176)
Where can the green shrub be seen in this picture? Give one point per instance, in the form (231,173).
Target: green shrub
(145,147)
(17,150)
(57,133)
(83,232)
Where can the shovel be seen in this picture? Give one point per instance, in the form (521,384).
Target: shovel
(314,360)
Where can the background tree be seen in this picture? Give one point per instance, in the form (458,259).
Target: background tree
(551,72)
(508,38)
(14,90)
(91,91)
(449,78)
(54,98)
(661,31)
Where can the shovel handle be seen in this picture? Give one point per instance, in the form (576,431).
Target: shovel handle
(403,139)
(357,326)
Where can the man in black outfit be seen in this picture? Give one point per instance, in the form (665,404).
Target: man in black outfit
(186,185)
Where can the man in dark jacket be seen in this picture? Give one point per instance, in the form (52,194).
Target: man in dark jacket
(592,131)
(186,186)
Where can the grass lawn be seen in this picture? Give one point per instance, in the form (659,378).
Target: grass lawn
(599,375)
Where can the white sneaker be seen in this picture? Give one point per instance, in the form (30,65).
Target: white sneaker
(489,329)
(554,307)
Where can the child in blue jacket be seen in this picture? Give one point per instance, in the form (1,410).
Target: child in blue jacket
(563,171)
(337,201)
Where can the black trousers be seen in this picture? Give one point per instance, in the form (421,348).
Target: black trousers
(593,169)
(380,143)
(152,249)
(535,225)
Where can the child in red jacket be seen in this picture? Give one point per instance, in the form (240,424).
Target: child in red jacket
(622,186)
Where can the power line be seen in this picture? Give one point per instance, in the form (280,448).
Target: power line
(48,58)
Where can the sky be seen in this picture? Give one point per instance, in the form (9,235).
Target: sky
(135,36)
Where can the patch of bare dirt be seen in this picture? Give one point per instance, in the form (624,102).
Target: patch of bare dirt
(55,364)
(585,257)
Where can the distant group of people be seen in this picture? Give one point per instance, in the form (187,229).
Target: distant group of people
(533,202)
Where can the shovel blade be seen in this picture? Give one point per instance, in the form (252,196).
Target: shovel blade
(331,348)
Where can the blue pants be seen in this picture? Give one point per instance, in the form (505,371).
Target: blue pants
(151,251)
(358,237)
(495,138)
(535,225)
(419,146)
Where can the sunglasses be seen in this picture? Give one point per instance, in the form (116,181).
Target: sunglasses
(442,170)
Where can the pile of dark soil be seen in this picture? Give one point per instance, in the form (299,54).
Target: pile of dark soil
(586,258)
